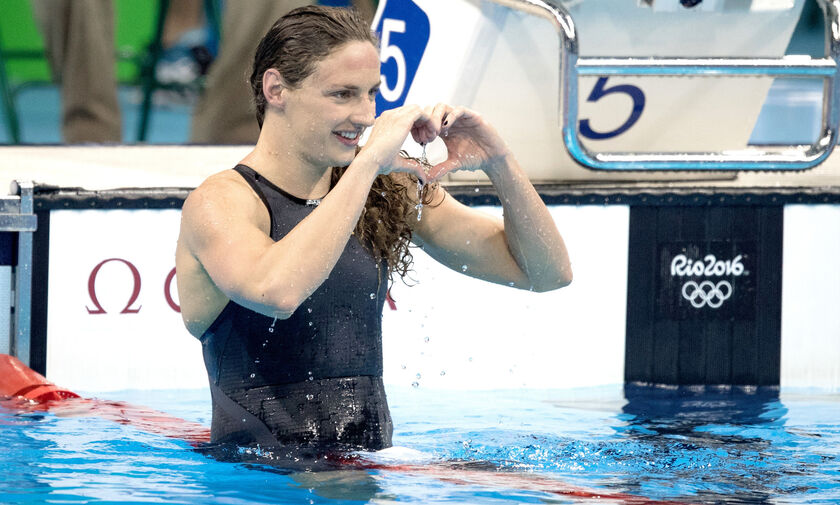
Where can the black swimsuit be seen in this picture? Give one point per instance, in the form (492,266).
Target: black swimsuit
(314,379)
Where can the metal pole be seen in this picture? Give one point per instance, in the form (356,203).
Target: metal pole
(23,277)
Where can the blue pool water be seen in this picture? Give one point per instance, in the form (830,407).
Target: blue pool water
(465,447)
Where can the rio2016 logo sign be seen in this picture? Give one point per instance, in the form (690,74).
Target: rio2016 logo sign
(131,306)
(707,293)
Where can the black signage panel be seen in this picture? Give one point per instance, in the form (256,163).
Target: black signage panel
(704,294)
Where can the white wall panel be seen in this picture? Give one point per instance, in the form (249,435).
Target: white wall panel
(485,336)
(149,349)
(811,297)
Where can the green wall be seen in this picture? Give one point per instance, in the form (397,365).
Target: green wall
(19,34)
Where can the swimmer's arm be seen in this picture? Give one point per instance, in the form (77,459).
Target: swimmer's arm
(530,231)
(524,249)
(220,225)
(220,229)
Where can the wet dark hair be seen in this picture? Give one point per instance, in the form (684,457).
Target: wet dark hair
(299,40)
(294,45)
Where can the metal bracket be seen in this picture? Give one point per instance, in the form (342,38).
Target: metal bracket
(792,157)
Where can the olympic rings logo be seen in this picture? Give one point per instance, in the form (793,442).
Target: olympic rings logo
(707,293)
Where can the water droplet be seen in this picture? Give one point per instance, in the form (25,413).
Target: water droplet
(312,378)
(372,296)
(309,310)
(253,375)
(244,421)
(403,367)
(464,268)
(442,372)
(418,375)
(476,190)
(468,242)
(310,323)
(426,340)
(309,397)
(470,359)
(413,384)
(511,284)
(271,330)
(383,193)
(257,361)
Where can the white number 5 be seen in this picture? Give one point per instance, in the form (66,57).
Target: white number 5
(389,51)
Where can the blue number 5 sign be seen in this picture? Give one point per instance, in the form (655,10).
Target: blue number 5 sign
(403,30)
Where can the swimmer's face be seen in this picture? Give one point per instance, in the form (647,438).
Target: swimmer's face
(335,104)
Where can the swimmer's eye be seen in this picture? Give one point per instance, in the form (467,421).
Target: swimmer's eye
(343,94)
(373,93)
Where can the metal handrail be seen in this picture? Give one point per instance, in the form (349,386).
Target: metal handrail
(793,157)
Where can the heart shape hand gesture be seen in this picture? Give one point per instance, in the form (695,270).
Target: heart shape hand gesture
(471,142)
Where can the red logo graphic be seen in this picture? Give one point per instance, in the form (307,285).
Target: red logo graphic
(134,293)
(167,289)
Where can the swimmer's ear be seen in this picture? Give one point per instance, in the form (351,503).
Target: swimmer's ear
(274,87)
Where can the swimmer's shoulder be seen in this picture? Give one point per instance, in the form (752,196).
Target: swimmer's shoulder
(219,186)
(226,189)
(223,198)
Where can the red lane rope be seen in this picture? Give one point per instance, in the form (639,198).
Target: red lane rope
(21,383)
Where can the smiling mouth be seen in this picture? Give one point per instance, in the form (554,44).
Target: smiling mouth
(350,138)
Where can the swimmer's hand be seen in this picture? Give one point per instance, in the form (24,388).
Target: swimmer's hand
(389,132)
(472,143)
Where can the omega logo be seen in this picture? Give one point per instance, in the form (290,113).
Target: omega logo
(130,307)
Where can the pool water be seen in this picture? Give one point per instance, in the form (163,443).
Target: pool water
(627,445)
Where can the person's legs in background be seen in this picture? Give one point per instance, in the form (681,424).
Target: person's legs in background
(224,113)
(367,8)
(79,41)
